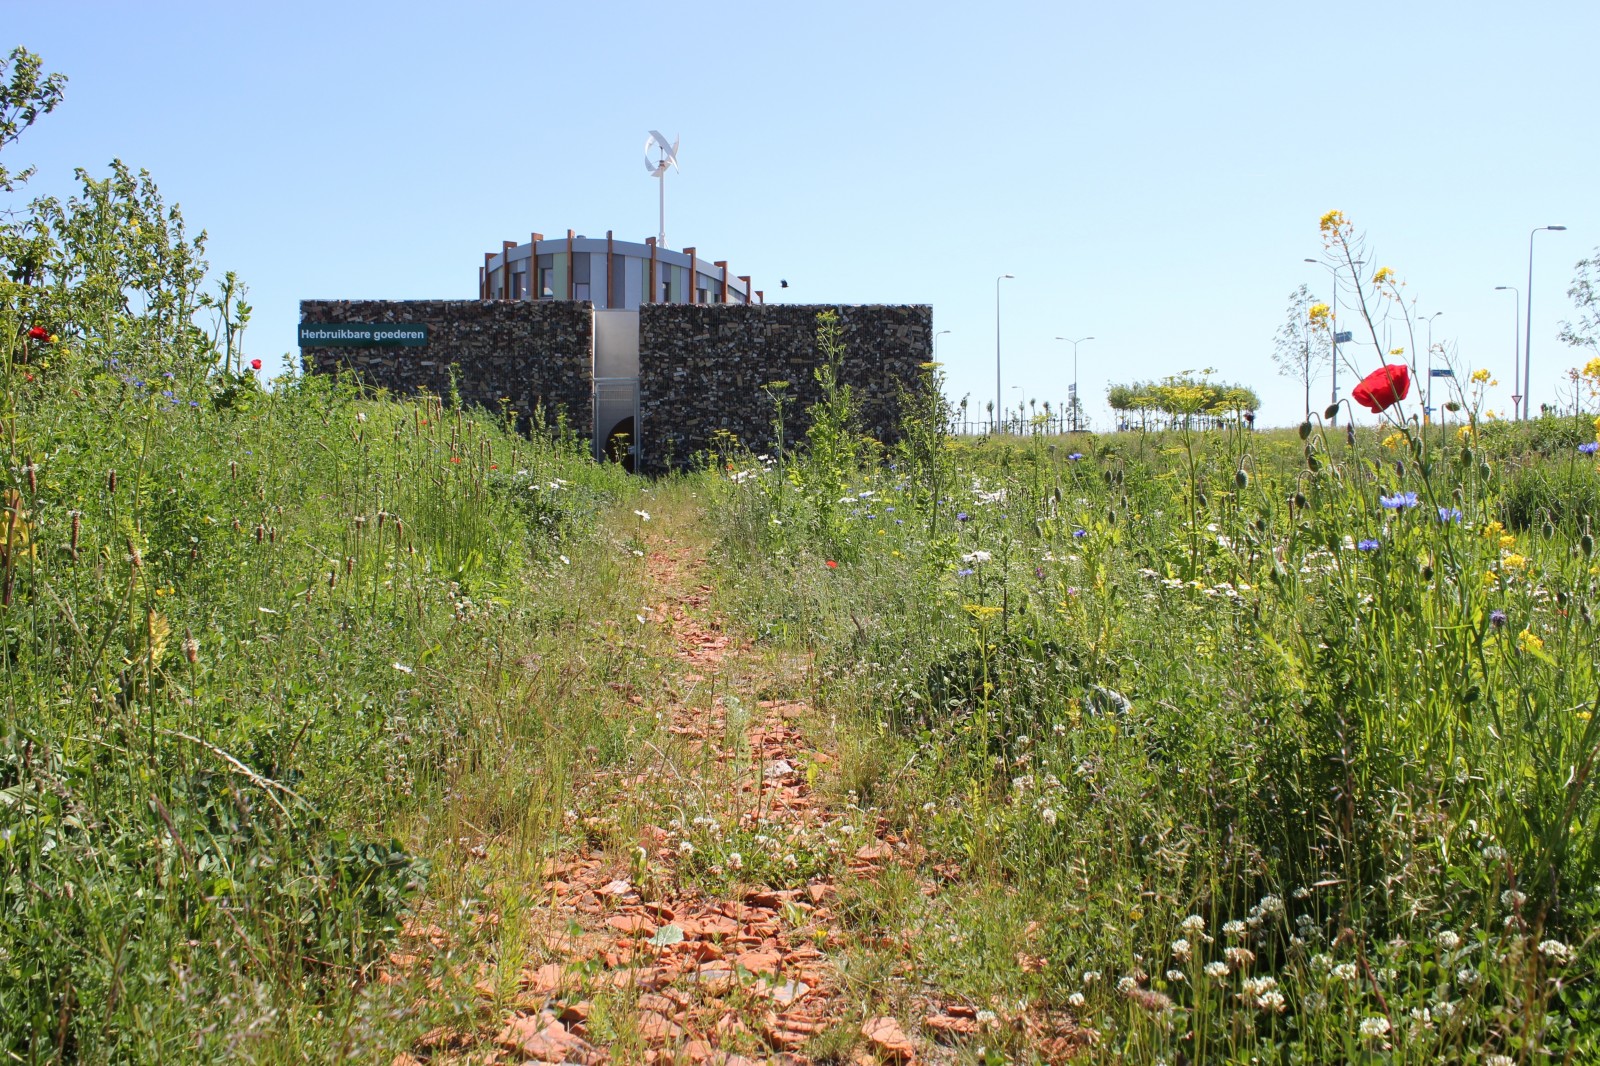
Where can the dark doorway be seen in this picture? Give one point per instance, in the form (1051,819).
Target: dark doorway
(621,445)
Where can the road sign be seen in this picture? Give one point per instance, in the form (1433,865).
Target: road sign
(1442,372)
(1342,337)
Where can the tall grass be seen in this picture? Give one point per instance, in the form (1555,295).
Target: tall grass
(1286,743)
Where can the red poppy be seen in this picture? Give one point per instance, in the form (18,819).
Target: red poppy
(832,565)
(255,364)
(39,333)
(1383,388)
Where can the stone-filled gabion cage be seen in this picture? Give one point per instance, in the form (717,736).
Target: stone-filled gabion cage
(652,387)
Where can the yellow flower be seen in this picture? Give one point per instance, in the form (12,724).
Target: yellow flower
(980,611)
(1597,427)
(1480,375)
(1394,440)
(1527,641)
(1464,433)
(1397,351)
(1591,369)
(1333,220)
(1514,561)
(1384,275)
(1319,314)
(1490,578)
(1584,716)
(1508,541)
(1493,529)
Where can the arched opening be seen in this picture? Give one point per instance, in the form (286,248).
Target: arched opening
(621,444)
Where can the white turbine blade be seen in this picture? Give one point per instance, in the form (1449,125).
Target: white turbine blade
(657,137)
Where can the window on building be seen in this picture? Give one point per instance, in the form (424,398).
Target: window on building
(580,290)
(519,284)
(702,296)
(546,279)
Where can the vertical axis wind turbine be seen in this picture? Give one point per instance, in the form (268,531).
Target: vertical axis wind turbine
(658,170)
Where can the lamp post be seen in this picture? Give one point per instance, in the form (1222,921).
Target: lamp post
(1077,403)
(1527,340)
(936,337)
(1429,411)
(1333,332)
(997,393)
(1516,343)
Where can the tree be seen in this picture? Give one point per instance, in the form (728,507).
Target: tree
(24,96)
(1585,293)
(1301,348)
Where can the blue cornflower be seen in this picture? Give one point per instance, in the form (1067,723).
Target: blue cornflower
(194,403)
(962,516)
(1398,500)
(1497,619)
(115,363)
(964,572)
(1074,457)
(1368,545)
(1079,534)
(1449,514)
(1590,448)
(169,394)
(888,510)
(899,521)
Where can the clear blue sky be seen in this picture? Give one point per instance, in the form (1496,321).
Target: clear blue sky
(1152,173)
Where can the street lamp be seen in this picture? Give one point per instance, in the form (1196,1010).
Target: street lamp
(997,393)
(1428,412)
(1333,328)
(1076,402)
(1527,340)
(1516,346)
(936,337)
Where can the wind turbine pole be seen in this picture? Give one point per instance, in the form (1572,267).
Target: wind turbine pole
(661,238)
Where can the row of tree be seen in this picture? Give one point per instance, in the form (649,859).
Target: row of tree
(1186,399)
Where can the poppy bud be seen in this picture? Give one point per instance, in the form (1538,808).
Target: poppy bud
(1305,430)
(1427,573)
(1331,412)
(1548,530)
(1106,474)
(1586,542)
(1311,461)
(1466,455)
(1261,525)
(1241,477)
(1350,436)
(1201,499)
(1111,516)
(1483,471)
(1299,499)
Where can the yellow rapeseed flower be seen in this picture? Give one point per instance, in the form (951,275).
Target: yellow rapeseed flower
(1319,314)
(1397,351)
(1480,375)
(1464,433)
(1491,578)
(1384,275)
(1527,641)
(1331,221)
(1591,369)
(1508,541)
(1514,561)
(1394,440)
(1493,529)
(980,611)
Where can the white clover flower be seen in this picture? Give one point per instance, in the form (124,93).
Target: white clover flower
(1314,1002)
(986,1019)
(1272,1002)
(1495,853)
(1444,1010)
(1076,1001)
(1270,906)
(1126,985)
(1374,1026)
(1177,977)
(1048,815)
(1181,950)
(1512,898)
(1345,971)
(1556,951)
(686,848)
(929,808)
(976,557)
(1466,976)
(1219,970)
(1449,940)
(1421,1016)
(1234,928)
(1091,976)
(735,861)
(1194,925)
(1499,1060)
(1240,957)
(1321,963)
(1256,986)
